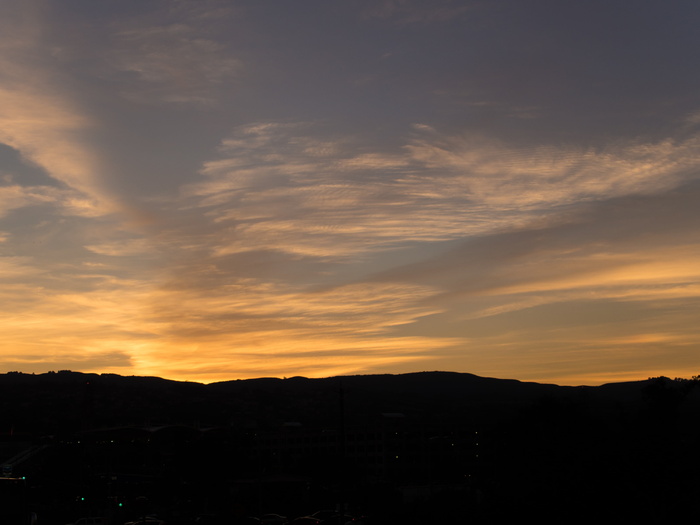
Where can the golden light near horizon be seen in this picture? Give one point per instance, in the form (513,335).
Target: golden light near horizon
(222,190)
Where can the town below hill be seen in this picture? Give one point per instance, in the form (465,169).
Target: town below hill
(411,448)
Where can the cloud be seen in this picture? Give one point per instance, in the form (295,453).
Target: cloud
(50,320)
(277,353)
(172,56)
(15,196)
(62,201)
(276,186)
(613,284)
(277,248)
(40,363)
(123,248)
(44,129)
(37,118)
(60,104)
(278,251)
(12,268)
(616,242)
(547,176)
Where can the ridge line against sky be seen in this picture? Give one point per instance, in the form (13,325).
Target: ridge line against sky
(211,190)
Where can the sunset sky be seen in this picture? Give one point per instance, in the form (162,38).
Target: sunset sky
(207,190)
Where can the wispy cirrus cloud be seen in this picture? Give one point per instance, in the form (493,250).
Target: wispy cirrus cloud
(38,117)
(574,291)
(232,328)
(47,132)
(548,176)
(89,319)
(173,63)
(286,232)
(276,184)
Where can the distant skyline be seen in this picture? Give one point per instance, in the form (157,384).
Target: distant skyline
(208,190)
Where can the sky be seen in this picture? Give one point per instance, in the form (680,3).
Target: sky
(207,190)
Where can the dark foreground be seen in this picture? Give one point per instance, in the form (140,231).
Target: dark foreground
(419,448)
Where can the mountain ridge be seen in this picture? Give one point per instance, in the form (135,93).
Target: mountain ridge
(67,401)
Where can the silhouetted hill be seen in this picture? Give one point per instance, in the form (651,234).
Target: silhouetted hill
(71,401)
(402,446)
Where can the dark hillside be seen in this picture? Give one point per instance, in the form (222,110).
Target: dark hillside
(72,401)
(408,448)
